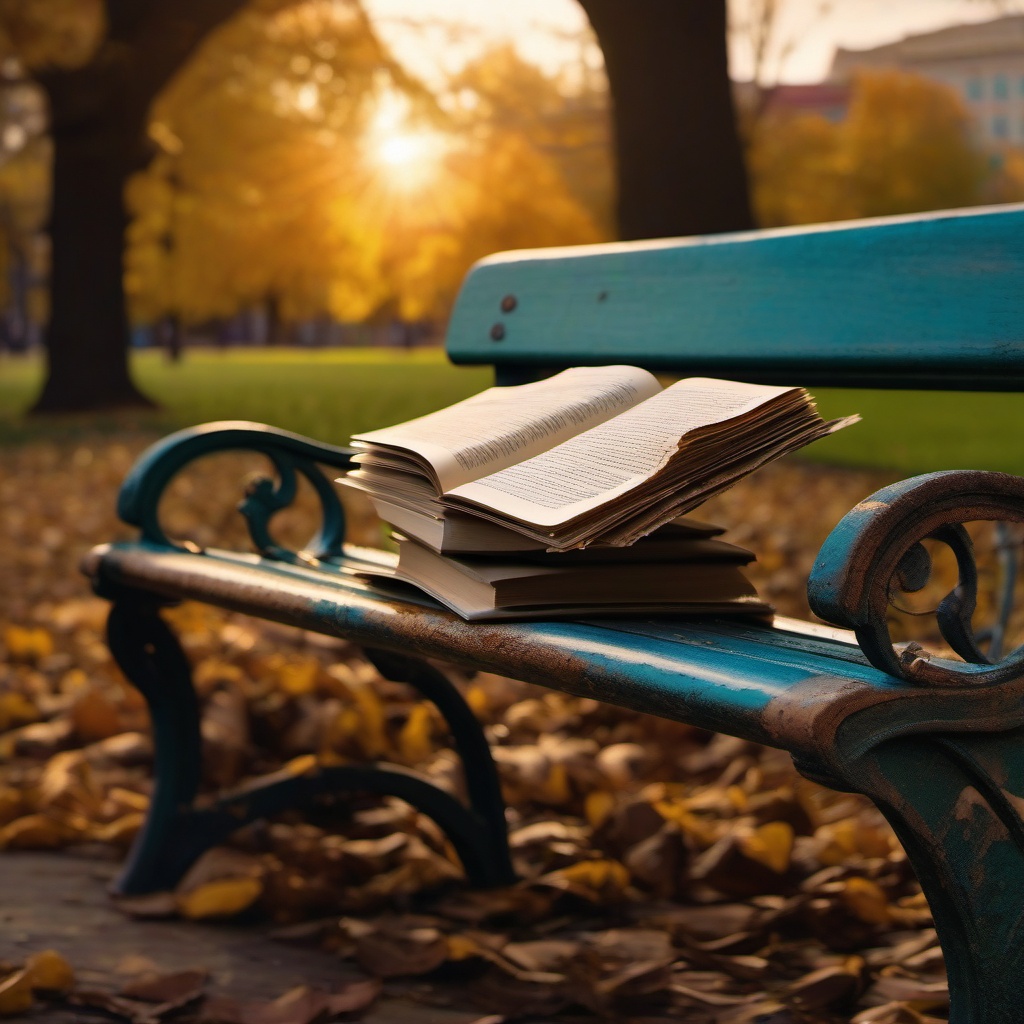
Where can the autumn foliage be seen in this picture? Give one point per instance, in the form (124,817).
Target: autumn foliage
(905,146)
(665,873)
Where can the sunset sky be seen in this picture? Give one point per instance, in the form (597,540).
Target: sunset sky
(436,35)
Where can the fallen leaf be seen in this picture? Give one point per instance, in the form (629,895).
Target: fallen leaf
(223,898)
(178,988)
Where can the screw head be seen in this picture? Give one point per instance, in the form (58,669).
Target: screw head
(509,303)
(498,332)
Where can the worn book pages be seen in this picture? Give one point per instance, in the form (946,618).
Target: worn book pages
(647,465)
(500,426)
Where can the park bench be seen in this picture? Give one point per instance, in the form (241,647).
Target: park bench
(924,302)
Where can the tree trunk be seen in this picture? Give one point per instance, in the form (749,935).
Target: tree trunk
(98,115)
(87,336)
(678,154)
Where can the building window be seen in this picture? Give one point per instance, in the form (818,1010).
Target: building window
(975,89)
(1000,87)
(1000,126)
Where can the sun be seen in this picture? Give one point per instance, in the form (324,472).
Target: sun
(406,154)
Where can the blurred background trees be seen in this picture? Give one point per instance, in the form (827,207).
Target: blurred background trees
(206,160)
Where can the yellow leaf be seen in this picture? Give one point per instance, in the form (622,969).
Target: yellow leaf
(48,970)
(415,741)
(16,709)
(597,806)
(304,764)
(33,832)
(555,789)
(15,994)
(371,733)
(462,948)
(866,901)
(25,643)
(770,845)
(222,898)
(121,831)
(12,805)
(478,701)
(598,875)
(298,678)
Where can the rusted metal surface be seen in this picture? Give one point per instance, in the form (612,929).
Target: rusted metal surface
(755,682)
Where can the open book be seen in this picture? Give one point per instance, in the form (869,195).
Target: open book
(593,455)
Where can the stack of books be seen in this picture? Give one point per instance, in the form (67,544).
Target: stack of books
(568,496)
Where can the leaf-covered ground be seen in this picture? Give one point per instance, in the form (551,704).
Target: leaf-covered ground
(667,874)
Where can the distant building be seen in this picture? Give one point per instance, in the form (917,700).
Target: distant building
(983,63)
(829,100)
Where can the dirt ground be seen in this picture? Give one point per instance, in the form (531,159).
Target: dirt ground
(58,901)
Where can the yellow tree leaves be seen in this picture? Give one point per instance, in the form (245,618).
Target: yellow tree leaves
(904,146)
(300,165)
(52,33)
(255,193)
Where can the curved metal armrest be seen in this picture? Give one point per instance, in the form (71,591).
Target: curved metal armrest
(290,454)
(875,551)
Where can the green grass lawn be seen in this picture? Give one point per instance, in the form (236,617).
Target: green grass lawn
(330,393)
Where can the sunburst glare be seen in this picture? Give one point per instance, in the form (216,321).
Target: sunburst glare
(408,154)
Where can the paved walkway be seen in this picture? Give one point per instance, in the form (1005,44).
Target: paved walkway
(58,901)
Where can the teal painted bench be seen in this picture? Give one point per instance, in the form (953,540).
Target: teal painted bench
(934,301)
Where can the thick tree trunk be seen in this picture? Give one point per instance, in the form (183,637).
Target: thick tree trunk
(98,115)
(87,336)
(679,158)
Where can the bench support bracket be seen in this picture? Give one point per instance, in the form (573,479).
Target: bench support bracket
(179,827)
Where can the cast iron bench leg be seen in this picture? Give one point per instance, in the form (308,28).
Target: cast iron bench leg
(955,802)
(179,828)
(153,661)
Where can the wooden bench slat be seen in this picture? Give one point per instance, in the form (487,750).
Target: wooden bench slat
(931,301)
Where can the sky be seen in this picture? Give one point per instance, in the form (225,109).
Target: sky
(436,36)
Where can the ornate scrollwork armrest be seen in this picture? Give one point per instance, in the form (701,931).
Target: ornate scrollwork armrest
(875,552)
(291,454)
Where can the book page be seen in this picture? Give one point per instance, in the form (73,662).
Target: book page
(504,425)
(602,463)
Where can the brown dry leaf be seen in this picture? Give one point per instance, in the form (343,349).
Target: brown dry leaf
(727,867)
(95,716)
(179,987)
(395,951)
(302,1005)
(151,905)
(226,736)
(660,862)
(922,995)
(890,1013)
(827,986)
(546,956)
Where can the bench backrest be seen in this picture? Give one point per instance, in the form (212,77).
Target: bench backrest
(925,301)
